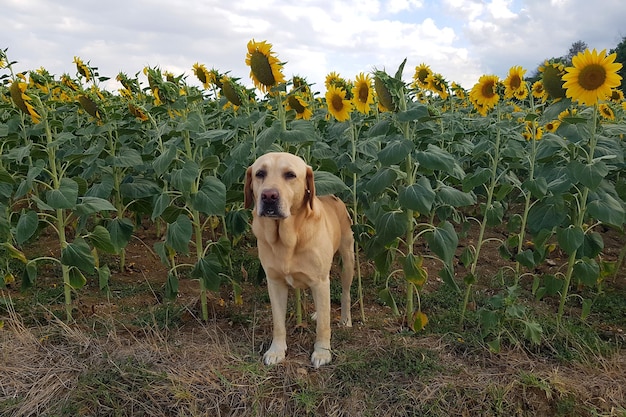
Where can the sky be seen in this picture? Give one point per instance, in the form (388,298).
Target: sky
(460,39)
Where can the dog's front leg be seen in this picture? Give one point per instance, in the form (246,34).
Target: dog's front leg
(278,293)
(321,296)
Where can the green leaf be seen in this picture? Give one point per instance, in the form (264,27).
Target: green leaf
(171,286)
(184,178)
(437,159)
(77,279)
(380,181)
(237,221)
(586,271)
(120,232)
(395,151)
(78,254)
(179,234)
(494,214)
(443,241)
(162,162)
(532,331)
(538,187)
(414,271)
(590,175)
(451,196)
(161,202)
(526,258)
(26,226)
(29,276)
(391,225)
(104,275)
(607,209)
(65,196)
(386,297)
(328,183)
(127,158)
(135,188)
(100,238)
(586,308)
(480,177)
(211,198)
(592,245)
(546,214)
(419,196)
(91,205)
(570,238)
(208,270)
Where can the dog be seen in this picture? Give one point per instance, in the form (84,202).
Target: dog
(298,234)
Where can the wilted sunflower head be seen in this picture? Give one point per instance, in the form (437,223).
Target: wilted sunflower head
(300,85)
(592,76)
(90,106)
(138,112)
(83,69)
(265,68)
(362,93)
(387,90)
(338,106)
(552,79)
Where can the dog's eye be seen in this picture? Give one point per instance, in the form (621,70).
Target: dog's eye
(260,174)
(290,175)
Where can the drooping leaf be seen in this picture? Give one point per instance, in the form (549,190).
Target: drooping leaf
(210,198)
(419,196)
(208,270)
(78,254)
(570,238)
(64,197)
(443,241)
(100,238)
(328,183)
(26,226)
(120,232)
(179,234)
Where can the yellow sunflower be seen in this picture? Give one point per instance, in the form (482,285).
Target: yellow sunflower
(296,103)
(458,91)
(362,93)
(552,126)
(484,95)
(83,69)
(567,113)
(616,96)
(265,68)
(591,77)
(532,131)
(437,84)
(138,112)
(538,91)
(606,111)
(202,73)
(300,85)
(332,79)
(22,100)
(420,78)
(514,85)
(337,104)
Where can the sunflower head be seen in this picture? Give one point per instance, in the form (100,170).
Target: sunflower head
(296,103)
(232,91)
(300,85)
(338,106)
(83,69)
(202,74)
(265,68)
(552,126)
(514,85)
(552,79)
(592,76)
(484,95)
(538,91)
(21,99)
(616,96)
(438,85)
(90,106)
(138,112)
(362,93)
(606,111)
(420,78)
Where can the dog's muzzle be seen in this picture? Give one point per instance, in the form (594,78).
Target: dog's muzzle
(270,204)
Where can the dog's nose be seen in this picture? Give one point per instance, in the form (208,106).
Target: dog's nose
(270,195)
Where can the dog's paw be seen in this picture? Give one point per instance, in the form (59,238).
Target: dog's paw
(273,356)
(321,356)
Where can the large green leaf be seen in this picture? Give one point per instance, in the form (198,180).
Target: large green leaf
(414,271)
(179,234)
(395,151)
(419,196)
(590,175)
(391,225)
(185,177)
(65,196)
(78,254)
(328,183)
(380,181)
(208,270)
(77,279)
(479,177)
(546,214)
(26,226)
(120,232)
(137,187)
(437,159)
(570,238)
(443,241)
(211,198)
(91,205)
(607,209)
(127,158)
(456,198)
(162,162)
(587,271)
(100,238)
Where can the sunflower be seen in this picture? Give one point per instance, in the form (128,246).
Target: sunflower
(300,85)
(514,85)
(203,74)
(567,113)
(437,84)
(138,112)
(458,91)
(362,93)
(382,84)
(538,91)
(552,126)
(265,68)
(420,78)
(616,96)
(90,107)
(552,79)
(532,131)
(67,81)
(337,104)
(606,111)
(232,91)
(83,69)
(296,103)
(22,100)
(332,79)
(484,95)
(592,76)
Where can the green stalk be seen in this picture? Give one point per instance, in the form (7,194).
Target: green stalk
(356,217)
(582,209)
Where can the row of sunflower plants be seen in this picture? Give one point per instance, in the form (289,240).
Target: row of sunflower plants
(414,160)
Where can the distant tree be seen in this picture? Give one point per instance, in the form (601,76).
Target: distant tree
(620,51)
(575,49)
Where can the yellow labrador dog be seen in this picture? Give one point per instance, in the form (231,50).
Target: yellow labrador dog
(297,235)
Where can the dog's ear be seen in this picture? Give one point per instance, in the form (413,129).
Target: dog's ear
(248,195)
(310,186)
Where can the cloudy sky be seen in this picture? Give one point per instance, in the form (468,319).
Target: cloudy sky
(461,39)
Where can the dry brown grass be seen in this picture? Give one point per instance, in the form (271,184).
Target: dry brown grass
(214,369)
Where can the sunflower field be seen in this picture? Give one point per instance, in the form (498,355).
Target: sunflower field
(537,168)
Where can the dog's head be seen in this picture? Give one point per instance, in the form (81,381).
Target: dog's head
(279,184)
